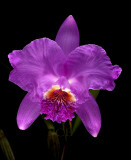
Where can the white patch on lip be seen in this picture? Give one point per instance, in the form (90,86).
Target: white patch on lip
(66,90)
(57,87)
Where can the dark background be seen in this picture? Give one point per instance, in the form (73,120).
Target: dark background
(104,24)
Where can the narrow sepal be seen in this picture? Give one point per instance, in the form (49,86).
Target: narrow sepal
(68,35)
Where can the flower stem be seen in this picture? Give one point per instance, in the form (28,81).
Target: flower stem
(70,127)
(67,127)
(63,152)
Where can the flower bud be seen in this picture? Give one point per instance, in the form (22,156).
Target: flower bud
(53,144)
(5,147)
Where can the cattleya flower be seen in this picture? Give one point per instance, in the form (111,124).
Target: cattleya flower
(58,75)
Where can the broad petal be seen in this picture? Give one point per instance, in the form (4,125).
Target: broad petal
(15,57)
(92,63)
(89,114)
(37,52)
(25,76)
(28,112)
(37,59)
(68,35)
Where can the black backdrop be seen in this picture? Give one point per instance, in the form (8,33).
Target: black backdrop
(101,24)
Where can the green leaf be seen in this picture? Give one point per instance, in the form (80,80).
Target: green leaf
(94,93)
(77,120)
(76,124)
(5,146)
(48,123)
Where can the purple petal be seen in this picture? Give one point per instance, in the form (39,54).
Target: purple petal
(79,89)
(15,57)
(89,114)
(25,76)
(28,112)
(37,59)
(92,63)
(44,84)
(68,35)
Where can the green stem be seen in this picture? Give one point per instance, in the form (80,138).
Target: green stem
(48,123)
(63,152)
(70,127)
(67,128)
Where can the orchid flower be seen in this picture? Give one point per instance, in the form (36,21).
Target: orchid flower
(58,75)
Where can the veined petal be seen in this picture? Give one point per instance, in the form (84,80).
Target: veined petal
(89,114)
(92,63)
(25,76)
(15,57)
(28,112)
(37,59)
(37,52)
(68,35)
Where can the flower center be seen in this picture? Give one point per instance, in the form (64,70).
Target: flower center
(58,104)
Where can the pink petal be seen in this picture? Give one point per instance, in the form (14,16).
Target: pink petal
(15,57)
(28,112)
(37,59)
(25,76)
(89,114)
(68,35)
(91,63)
(44,84)
(79,89)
